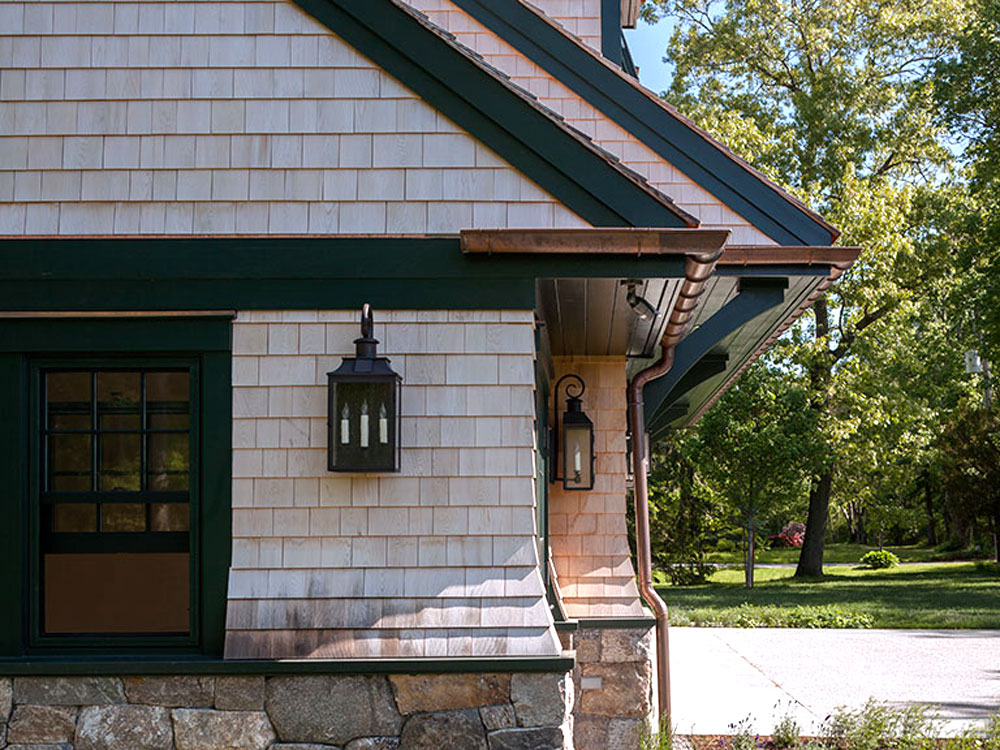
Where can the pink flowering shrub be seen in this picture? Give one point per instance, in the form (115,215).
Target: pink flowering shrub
(792,535)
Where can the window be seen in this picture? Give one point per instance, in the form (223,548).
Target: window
(115,485)
(115,499)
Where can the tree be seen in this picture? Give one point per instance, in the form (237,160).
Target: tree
(834,100)
(972,443)
(757,448)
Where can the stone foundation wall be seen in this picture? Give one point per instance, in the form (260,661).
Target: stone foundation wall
(500,711)
(615,684)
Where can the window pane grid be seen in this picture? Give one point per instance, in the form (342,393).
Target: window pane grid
(136,452)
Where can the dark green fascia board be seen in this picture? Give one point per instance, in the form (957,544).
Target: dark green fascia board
(611,30)
(92,335)
(472,96)
(66,667)
(687,149)
(287,273)
(755,297)
(706,368)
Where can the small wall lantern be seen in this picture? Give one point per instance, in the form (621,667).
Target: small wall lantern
(363,408)
(576,438)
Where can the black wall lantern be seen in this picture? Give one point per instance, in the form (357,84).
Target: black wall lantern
(576,438)
(363,408)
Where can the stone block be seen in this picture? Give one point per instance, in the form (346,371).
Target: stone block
(172,692)
(590,732)
(6,699)
(498,717)
(239,693)
(531,738)
(625,734)
(444,692)
(332,709)
(203,729)
(626,645)
(119,727)
(301,746)
(373,743)
(588,645)
(45,746)
(455,730)
(68,691)
(626,689)
(542,699)
(33,724)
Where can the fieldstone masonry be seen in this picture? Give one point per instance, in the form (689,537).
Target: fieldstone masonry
(614,679)
(481,711)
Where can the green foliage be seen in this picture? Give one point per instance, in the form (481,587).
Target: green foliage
(878,559)
(754,616)
(786,733)
(741,736)
(661,739)
(877,726)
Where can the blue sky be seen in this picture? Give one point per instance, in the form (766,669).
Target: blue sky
(647,44)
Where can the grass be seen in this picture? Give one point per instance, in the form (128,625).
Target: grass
(842,553)
(930,595)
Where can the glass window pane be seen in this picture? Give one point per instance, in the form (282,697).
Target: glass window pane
(169,387)
(123,517)
(169,517)
(120,462)
(74,517)
(68,400)
(169,461)
(69,463)
(167,400)
(118,393)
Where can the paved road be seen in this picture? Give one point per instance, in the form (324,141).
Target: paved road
(722,675)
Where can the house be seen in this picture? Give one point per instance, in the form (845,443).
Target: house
(196,201)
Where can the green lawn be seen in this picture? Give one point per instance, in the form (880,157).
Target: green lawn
(933,595)
(839,553)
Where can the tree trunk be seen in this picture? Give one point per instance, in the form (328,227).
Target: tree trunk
(748,568)
(932,540)
(811,557)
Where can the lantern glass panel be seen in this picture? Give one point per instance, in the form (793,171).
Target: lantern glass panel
(578,451)
(364,425)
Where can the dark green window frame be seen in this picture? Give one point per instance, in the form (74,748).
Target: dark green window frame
(29,347)
(39,540)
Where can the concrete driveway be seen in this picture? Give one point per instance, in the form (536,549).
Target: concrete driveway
(720,676)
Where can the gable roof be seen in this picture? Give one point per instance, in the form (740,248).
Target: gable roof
(660,127)
(505,117)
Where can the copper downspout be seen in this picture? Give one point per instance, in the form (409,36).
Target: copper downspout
(697,270)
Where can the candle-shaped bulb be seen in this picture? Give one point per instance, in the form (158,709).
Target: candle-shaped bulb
(345,425)
(577,465)
(364,424)
(383,425)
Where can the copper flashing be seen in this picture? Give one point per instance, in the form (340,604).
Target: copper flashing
(699,242)
(762,255)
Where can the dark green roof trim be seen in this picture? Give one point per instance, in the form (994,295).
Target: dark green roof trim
(288,273)
(611,30)
(130,666)
(482,102)
(671,137)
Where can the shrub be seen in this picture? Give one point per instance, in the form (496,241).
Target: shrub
(876,726)
(751,616)
(878,559)
(792,535)
(786,733)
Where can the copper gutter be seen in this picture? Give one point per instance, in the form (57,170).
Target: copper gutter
(625,241)
(697,270)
